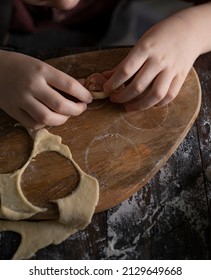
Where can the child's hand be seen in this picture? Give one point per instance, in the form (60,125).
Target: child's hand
(28,91)
(161,59)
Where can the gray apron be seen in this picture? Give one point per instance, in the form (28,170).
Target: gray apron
(5,14)
(129,20)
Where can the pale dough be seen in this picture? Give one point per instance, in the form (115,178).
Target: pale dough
(94,83)
(75,210)
(99,95)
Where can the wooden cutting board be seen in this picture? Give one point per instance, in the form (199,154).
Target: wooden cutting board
(122,150)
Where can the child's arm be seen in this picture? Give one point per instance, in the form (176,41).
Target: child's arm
(28,91)
(162,58)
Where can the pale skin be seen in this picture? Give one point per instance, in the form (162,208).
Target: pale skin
(160,61)
(29,87)
(29,92)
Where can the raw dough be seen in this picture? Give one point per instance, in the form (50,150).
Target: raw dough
(76,210)
(94,83)
(99,95)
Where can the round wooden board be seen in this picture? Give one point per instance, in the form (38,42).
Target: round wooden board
(122,150)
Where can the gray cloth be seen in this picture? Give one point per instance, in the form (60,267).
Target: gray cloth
(133,17)
(5,14)
(129,21)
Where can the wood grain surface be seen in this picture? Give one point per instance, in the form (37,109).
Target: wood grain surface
(169,218)
(122,150)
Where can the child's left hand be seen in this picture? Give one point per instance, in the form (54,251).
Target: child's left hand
(161,59)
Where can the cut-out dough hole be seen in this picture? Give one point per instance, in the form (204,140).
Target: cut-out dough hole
(48,177)
(15,148)
(75,210)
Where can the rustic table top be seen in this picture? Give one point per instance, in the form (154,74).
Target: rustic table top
(169,218)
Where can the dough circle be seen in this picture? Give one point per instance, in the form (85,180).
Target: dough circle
(75,210)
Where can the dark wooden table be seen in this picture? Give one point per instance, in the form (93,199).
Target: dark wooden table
(167,219)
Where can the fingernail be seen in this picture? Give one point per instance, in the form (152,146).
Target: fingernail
(106,87)
(114,85)
(90,100)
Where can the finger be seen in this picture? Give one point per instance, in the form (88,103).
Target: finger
(172,92)
(41,114)
(140,83)
(69,85)
(25,119)
(59,104)
(82,81)
(126,69)
(108,73)
(157,92)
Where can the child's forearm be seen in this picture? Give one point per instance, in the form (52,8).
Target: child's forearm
(198,18)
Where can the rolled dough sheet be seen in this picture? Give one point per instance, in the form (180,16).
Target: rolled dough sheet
(76,210)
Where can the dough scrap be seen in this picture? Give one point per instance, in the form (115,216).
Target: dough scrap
(99,95)
(75,210)
(94,83)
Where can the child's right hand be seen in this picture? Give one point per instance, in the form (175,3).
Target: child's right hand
(28,91)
